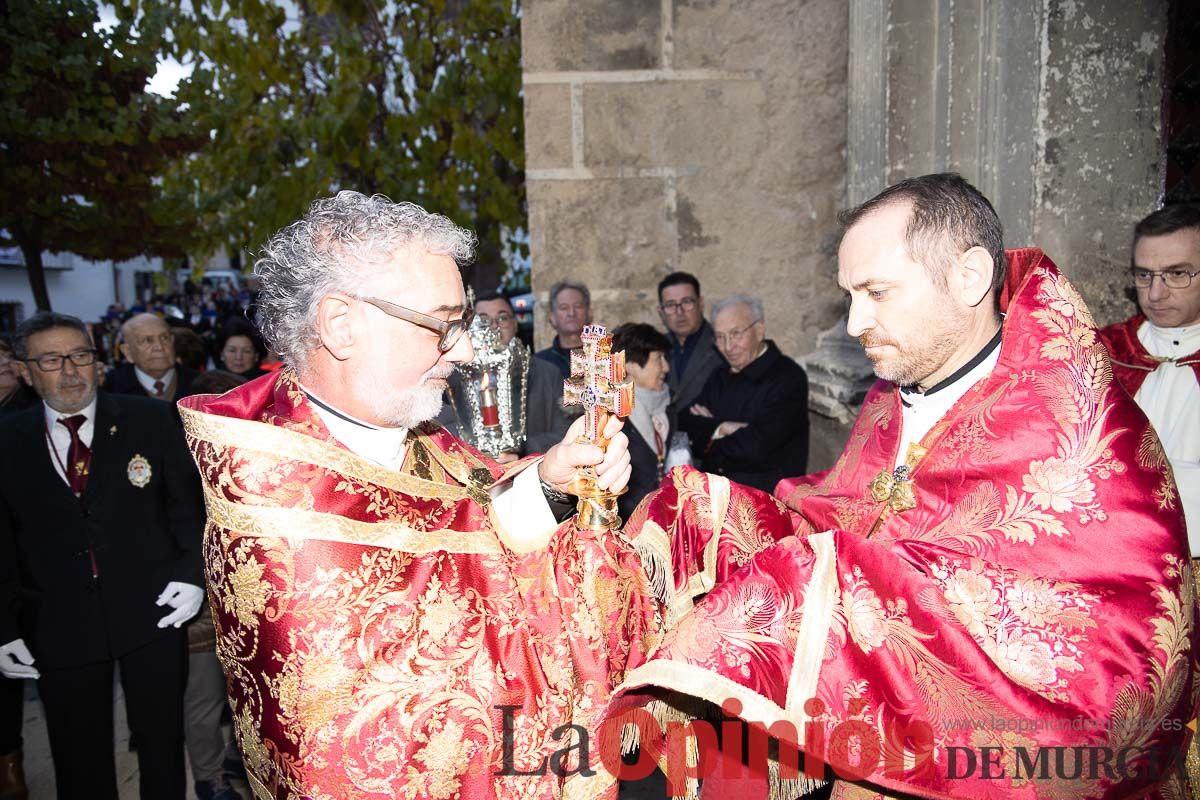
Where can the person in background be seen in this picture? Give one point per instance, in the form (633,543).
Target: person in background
(650,425)
(240,349)
(570,310)
(1156,353)
(693,356)
(750,422)
(101,517)
(14,396)
(152,371)
(190,350)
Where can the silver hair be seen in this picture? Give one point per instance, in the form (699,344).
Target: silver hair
(337,246)
(750,301)
(569,284)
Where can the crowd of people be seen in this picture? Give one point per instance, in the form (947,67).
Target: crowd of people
(377,588)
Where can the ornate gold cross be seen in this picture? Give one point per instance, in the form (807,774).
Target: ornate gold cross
(598,383)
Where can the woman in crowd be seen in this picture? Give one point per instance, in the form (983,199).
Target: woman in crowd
(649,427)
(240,349)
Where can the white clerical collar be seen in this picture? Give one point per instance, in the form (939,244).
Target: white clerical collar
(147,381)
(946,392)
(384,446)
(1169,342)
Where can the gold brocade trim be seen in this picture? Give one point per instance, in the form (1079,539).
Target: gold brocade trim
(582,787)
(292,523)
(702,582)
(281,443)
(815,618)
(693,681)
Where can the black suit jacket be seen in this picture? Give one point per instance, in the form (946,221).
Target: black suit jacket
(142,538)
(701,364)
(771,395)
(122,379)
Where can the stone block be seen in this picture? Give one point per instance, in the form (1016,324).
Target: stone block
(609,233)
(548,126)
(767,35)
(560,35)
(680,124)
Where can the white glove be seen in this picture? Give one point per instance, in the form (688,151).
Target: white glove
(185,598)
(16,661)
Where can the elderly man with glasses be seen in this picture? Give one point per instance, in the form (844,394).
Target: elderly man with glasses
(100,529)
(397,614)
(750,421)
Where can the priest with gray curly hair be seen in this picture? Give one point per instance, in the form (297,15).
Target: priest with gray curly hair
(388,601)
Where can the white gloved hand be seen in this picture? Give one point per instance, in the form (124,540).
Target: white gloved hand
(185,598)
(16,661)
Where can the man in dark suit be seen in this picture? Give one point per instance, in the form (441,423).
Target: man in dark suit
(750,423)
(152,371)
(100,527)
(693,356)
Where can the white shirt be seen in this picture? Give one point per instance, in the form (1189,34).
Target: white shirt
(1170,396)
(525,518)
(60,438)
(920,412)
(147,382)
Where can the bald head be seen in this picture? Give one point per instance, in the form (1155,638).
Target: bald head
(146,341)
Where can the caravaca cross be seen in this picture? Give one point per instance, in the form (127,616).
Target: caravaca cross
(598,383)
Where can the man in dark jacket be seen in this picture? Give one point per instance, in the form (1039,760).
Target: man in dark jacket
(100,526)
(693,356)
(750,422)
(152,371)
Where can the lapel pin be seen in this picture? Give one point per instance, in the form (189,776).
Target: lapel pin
(112,431)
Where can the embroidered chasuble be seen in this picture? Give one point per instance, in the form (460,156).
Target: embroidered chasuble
(1006,609)
(378,638)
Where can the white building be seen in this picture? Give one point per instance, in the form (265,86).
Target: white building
(76,286)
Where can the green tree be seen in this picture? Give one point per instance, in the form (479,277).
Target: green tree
(82,144)
(416,99)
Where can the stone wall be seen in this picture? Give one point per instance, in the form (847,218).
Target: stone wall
(698,135)
(1051,107)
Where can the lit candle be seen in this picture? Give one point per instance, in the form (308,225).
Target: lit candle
(487,402)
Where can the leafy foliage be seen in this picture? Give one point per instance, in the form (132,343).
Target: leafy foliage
(81,141)
(415,99)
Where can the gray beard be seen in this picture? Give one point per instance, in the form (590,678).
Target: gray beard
(406,408)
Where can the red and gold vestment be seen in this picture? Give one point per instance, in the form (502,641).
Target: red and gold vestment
(1024,585)
(373,626)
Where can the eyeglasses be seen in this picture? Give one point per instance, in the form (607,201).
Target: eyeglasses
(673,307)
(53,362)
(500,319)
(448,332)
(734,335)
(1172,278)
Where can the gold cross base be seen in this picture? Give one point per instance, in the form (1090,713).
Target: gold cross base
(597,509)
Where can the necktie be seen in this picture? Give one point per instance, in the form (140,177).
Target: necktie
(159,386)
(79,455)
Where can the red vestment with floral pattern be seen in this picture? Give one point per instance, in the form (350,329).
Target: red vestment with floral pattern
(1026,589)
(373,627)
